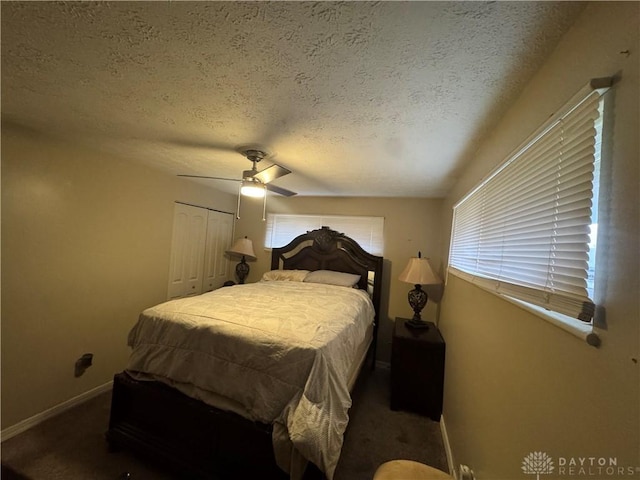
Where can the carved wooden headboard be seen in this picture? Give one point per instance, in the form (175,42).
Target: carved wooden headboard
(326,249)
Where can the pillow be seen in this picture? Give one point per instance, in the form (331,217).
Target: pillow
(285,275)
(333,278)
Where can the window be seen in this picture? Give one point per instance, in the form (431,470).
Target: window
(367,231)
(528,230)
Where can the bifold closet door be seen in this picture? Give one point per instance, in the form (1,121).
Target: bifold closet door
(187,250)
(218,241)
(199,242)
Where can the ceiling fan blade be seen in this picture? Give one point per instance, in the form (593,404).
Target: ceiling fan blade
(211,178)
(280,190)
(271,173)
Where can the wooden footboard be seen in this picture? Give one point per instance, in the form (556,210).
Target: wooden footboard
(187,435)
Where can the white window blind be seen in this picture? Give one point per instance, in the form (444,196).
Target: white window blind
(367,231)
(525,230)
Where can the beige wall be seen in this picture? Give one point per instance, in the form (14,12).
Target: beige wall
(85,247)
(409,225)
(514,383)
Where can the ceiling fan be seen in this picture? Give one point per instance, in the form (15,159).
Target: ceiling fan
(254,183)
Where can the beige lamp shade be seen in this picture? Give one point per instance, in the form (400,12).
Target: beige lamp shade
(419,272)
(243,247)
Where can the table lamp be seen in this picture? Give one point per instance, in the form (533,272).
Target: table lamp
(418,272)
(243,247)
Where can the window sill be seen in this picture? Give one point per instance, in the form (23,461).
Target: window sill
(574,327)
(571,325)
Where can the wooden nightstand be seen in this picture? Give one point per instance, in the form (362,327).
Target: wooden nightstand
(417,369)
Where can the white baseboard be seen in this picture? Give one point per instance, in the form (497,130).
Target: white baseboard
(447,448)
(30,422)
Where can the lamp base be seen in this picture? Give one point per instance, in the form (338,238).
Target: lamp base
(417,324)
(417,300)
(242,270)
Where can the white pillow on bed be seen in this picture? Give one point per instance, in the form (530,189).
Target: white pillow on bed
(285,275)
(330,277)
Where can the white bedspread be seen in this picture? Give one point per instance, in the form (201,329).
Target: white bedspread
(282,350)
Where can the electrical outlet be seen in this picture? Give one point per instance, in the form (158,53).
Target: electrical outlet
(84,362)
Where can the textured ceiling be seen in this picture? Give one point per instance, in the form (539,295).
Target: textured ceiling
(357,98)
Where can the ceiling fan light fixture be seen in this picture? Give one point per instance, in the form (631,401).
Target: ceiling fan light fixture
(253,188)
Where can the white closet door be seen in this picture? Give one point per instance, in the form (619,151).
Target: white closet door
(187,250)
(219,235)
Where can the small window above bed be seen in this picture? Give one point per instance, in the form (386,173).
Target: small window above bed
(367,231)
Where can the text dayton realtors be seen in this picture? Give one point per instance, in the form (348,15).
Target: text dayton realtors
(592,466)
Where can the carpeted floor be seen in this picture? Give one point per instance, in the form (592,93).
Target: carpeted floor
(72,445)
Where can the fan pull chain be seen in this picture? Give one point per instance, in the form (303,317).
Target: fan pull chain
(239,195)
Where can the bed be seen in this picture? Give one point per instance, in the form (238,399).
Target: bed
(217,393)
